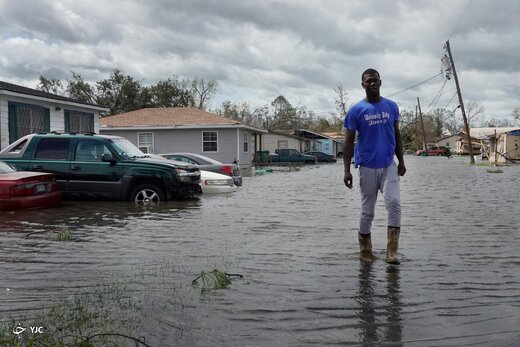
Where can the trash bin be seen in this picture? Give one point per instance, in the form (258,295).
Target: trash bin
(262,156)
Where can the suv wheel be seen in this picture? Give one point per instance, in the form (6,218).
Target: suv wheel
(147,194)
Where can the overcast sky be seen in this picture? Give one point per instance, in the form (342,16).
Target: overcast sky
(258,50)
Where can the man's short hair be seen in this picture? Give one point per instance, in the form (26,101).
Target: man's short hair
(370,72)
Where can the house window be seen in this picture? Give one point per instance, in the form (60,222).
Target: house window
(145,142)
(26,119)
(283,144)
(79,122)
(247,139)
(209,141)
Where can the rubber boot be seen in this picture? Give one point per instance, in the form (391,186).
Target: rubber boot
(365,247)
(392,245)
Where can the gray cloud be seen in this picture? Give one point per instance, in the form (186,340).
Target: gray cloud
(259,50)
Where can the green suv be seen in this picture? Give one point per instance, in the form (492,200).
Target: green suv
(103,167)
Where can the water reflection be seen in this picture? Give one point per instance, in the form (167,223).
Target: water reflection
(379,322)
(81,214)
(367,302)
(285,232)
(394,329)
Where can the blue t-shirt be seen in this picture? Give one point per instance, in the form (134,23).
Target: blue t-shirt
(375,147)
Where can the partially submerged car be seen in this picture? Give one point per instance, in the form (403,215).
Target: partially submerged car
(27,190)
(322,157)
(213,183)
(287,155)
(434,151)
(208,164)
(103,167)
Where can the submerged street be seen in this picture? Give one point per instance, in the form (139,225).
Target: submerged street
(292,235)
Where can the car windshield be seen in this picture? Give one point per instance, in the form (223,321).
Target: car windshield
(5,168)
(127,149)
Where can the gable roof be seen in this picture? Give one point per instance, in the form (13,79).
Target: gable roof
(487,132)
(14,88)
(459,134)
(168,117)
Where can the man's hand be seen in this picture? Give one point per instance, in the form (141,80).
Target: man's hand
(401,169)
(348,180)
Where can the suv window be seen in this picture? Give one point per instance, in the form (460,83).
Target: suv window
(90,150)
(18,147)
(56,149)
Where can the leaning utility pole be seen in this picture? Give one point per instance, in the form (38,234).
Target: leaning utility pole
(461,103)
(422,125)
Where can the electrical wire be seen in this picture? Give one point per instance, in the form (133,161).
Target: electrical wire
(415,85)
(451,100)
(460,19)
(437,96)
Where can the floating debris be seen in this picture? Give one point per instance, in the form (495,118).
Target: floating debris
(214,280)
(494,171)
(56,235)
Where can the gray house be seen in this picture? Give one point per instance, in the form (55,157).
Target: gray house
(24,111)
(284,139)
(302,140)
(186,129)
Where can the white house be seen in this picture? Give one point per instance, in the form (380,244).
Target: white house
(24,111)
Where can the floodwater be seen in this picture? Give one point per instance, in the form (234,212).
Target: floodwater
(292,235)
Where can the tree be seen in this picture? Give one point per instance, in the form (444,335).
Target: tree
(321,125)
(260,116)
(170,93)
(516,115)
(242,113)
(52,85)
(202,91)
(341,100)
(284,116)
(121,93)
(80,90)
(497,123)
(473,111)
(439,118)
(410,130)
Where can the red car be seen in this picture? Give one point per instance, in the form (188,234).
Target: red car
(432,151)
(24,189)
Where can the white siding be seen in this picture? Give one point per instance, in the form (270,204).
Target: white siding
(4,120)
(57,117)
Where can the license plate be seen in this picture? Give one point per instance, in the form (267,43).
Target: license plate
(40,188)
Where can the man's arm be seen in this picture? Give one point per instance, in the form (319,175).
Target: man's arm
(401,169)
(348,151)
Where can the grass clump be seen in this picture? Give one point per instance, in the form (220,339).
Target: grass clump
(213,280)
(108,316)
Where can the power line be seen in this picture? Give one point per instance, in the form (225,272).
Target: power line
(460,19)
(451,100)
(415,85)
(437,97)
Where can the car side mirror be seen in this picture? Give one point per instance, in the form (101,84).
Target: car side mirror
(109,158)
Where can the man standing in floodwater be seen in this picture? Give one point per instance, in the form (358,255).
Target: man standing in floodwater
(376,120)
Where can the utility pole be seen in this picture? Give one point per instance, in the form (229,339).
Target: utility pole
(422,125)
(461,104)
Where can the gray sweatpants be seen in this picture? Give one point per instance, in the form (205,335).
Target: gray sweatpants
(371,181)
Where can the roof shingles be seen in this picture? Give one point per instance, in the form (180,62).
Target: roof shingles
(172,116)
(34,92)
